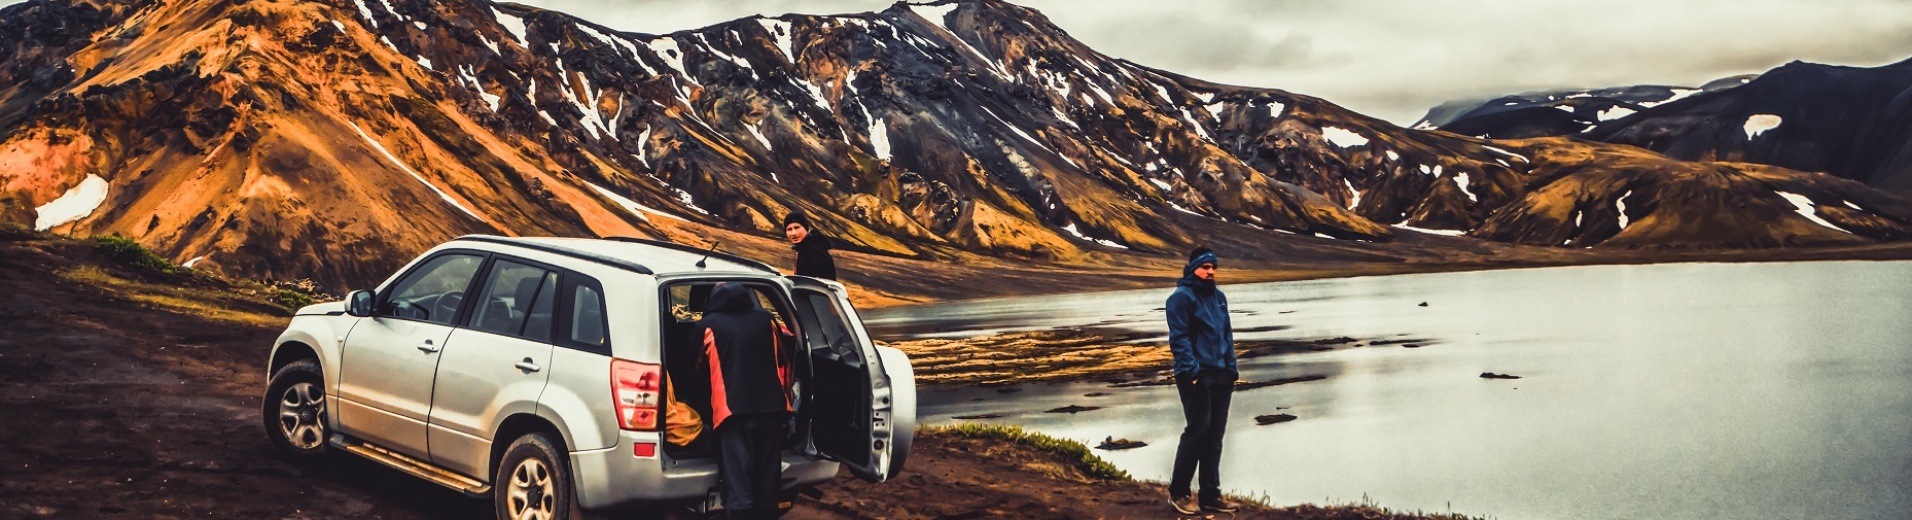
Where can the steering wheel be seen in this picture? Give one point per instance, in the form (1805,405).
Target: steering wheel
(447,306)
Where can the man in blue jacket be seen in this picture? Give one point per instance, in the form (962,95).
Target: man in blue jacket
(1204,349)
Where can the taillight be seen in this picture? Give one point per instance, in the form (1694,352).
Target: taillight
(634,391)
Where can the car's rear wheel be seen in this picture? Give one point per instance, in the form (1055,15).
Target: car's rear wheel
(294,410)
(534,482)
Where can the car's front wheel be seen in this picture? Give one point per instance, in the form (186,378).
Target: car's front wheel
(294,410)
(534,482)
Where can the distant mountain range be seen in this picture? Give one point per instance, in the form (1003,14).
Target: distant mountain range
(1851,122)
(273,138)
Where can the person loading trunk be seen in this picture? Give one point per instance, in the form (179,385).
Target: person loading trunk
(813,249)
(750,378)
(1203,345)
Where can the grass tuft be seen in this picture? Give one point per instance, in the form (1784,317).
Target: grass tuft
(288,298)
(129,252)
(1086,461)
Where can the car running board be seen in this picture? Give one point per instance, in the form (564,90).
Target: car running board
(414,467)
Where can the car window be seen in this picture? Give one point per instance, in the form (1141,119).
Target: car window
(537,325)
(433,291)
(830,329)
(687,301)
(510,292)
(587,318)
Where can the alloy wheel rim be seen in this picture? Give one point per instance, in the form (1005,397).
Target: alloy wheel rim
(301,416)
(530,495)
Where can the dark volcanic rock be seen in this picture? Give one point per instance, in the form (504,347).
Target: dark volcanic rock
(1073,409)
(1250,385)
(1112,443)
(1272,419)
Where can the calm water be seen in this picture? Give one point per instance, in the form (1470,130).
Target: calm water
(1715,391)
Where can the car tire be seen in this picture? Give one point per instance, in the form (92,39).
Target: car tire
(295,411)
(535,475)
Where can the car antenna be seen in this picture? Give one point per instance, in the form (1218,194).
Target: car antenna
(713,249)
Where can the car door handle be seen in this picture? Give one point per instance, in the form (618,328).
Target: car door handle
(529,366)
(427,347)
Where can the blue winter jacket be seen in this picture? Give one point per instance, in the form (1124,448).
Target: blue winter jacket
(1199,335)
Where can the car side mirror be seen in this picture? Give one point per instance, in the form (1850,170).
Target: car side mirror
(359,303)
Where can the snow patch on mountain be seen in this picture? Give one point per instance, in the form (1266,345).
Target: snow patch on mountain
(1503,151)
(1441,232)
(511,23)
(642,211)
(1343,137)
(1615,112)
(75,204)
(1461,181)
(1621,203)
(1805,208)
(643,147)
(879,139)
(466,73)
(667,50)
(1678,94)
(1071,228)
(780,31)
(758,133)
(936,14)
(366,12)
(408,169)
(1759,123)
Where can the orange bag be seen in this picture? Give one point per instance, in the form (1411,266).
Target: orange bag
(681,423)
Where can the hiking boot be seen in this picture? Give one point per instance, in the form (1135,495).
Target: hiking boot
(1186,504)
(1219,505)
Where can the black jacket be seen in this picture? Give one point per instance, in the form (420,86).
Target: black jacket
(750,371)
(813,257)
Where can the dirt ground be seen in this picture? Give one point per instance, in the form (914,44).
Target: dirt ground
(129,395)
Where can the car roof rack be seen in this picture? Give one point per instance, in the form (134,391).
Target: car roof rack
(565,251)
(698,250)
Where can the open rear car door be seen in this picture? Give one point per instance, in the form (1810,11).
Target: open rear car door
(862,397)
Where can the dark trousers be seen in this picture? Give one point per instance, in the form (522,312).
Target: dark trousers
(1205,405)
(751,464)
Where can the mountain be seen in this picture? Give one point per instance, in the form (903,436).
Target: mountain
(334,139)
(1559,112)
(1851,122)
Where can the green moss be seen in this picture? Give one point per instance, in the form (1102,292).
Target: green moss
(288,298)
(130,253)
(1090,464)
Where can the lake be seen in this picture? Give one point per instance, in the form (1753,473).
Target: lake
(1682,391)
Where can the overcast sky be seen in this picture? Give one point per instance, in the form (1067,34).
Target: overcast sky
(1395,59)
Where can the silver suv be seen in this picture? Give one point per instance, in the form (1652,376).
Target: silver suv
(535,371)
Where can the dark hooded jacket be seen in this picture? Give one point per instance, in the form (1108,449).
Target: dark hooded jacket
(750,372)
(1199,334)
(813,257)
